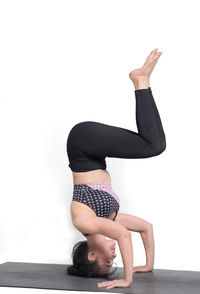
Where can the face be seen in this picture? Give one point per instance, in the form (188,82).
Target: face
(102,250)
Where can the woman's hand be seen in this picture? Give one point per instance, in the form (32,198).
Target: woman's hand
(142,269)
(115,283)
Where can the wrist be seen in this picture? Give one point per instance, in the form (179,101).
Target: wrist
(129,280)
(149,267)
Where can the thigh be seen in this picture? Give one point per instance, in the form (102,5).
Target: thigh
(97,139)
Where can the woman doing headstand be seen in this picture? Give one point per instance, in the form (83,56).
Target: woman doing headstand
(95,206)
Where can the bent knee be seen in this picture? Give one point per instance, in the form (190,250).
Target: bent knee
(158,149)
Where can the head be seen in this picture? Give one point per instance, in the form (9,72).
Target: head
(94,257)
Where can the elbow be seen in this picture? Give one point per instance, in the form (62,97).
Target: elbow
(149,227)
(125,233)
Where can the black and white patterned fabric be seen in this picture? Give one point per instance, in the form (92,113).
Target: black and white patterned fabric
(100,201)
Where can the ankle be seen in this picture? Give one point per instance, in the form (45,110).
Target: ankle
(142,82)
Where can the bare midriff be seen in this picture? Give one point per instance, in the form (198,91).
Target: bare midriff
(90,177)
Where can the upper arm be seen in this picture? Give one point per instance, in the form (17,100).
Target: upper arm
(132,222)
(100,225)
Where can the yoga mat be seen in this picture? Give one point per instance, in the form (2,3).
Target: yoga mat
(54,276)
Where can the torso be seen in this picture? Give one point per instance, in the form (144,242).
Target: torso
(91,177)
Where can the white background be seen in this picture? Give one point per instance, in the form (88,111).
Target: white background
(63,62)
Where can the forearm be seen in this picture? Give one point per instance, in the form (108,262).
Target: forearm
(126,250)
(148,241)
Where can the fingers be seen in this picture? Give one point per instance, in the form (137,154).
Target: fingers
(110,284)
(104,284)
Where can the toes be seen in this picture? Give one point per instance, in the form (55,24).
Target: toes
(157,55)
(153,57)
(153,54)
(154,51)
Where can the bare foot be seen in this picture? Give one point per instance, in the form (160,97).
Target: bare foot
(146,70)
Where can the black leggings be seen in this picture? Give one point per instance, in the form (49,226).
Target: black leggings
(89,142)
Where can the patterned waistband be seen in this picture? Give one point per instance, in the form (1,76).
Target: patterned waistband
(105,186)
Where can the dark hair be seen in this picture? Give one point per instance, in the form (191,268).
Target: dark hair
(82,266)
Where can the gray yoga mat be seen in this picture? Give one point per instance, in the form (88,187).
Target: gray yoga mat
(53,276)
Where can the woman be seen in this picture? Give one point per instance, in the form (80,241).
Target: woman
(95,206)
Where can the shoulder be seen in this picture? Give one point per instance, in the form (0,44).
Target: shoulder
(99,225)
(79,209)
